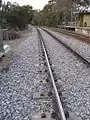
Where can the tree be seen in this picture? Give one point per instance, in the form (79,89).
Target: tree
(0,3)
(15,15)
(49,16)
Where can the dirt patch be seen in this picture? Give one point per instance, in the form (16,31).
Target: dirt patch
(12,34)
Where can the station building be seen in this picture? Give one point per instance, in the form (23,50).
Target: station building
(83,19)
(83,23)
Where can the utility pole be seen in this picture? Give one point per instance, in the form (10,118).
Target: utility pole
(1,37)
(1,44)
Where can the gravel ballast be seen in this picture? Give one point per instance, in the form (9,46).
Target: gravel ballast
(73,75)
(19,78)
(80,47)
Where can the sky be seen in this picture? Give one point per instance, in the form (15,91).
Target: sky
(37,4)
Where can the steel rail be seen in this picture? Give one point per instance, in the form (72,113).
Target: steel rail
(61,111)
(80,56)
(82,37)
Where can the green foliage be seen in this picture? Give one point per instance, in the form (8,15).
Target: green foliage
(15,15)
(50,16)
(0,3)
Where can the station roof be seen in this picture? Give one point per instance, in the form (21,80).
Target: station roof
(82,12)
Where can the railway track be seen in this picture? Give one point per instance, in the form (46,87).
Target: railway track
(84,60)
(59,110)
(81,37)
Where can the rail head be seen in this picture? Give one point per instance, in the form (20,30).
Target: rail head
(61,111)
